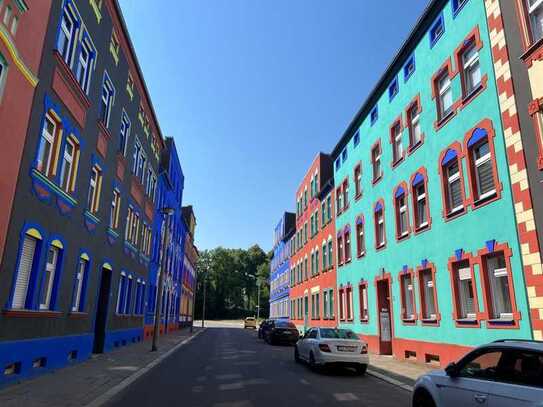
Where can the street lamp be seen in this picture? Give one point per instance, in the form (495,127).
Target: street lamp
(166,212)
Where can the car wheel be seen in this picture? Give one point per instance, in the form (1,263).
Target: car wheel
(297,355)
(423,399)
(361,369)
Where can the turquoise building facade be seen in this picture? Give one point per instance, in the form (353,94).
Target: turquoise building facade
(428,254)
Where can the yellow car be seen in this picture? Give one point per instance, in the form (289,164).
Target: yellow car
(249,322)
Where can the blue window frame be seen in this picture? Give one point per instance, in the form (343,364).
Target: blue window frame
(393,89)
(124,133)
(128,295)
(344,155)
(374,115)
(122,293)
(338,163)
(85,62)
(457,6)
(108,97)
(356,138)
(68,32)
(436,30)
(409,68)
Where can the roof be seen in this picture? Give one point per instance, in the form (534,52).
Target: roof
(418,31)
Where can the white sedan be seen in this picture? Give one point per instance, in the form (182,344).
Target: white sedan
(331,346)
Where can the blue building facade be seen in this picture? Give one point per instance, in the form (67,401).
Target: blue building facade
(280,266)
(169,195)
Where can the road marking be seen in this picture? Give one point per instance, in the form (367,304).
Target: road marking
(231,376)
(108,395)
(240,403)
(127,368)
(231,386)
(390,380)
(345,397)
(303,381)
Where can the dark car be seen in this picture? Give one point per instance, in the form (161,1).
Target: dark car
(264,326)
(281,331)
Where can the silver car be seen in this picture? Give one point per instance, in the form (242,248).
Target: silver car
(330,346)
(505,373)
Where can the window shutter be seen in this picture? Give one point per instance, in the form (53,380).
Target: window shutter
(486,178)
(456,194)
(23,272)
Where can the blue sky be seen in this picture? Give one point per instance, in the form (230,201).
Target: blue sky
(251,90)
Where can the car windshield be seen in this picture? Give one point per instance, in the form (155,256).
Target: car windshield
(285,324)
(249,319)
(330,333)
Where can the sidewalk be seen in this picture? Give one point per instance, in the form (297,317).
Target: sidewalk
(80,384)
(402,371)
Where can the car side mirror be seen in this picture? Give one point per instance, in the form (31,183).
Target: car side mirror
(452,369)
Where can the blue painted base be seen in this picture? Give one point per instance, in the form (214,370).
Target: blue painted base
(31,357)
(122,337)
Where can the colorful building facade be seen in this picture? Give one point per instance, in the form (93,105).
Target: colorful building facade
(280,266)
(190,268)
(312,264)
(75,268)
(428,197)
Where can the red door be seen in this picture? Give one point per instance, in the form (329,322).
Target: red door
(385,317)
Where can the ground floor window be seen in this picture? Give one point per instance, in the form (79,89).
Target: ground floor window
(464,286)
(363,299)
(408,297)
(499,302)
(428,295)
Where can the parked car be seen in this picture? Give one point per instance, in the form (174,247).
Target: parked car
(250,322)
(331,346)
(264,326)
(501,374)
(281,331)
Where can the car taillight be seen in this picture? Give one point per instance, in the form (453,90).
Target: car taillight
(324,347)
(364,349)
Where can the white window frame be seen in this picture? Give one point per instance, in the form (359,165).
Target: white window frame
(444,86)
(450,180)
(421,197)
(469,66)
(79,277)
(44,163)
(49,279)
(479,162)
(70,161)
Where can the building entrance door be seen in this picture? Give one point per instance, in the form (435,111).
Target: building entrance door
(101,311)
(385,317)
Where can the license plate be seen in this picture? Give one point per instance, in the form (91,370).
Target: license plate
(346,348)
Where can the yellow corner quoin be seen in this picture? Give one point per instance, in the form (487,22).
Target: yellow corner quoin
(34,233)
(107,266)
(57,243)
(27,73)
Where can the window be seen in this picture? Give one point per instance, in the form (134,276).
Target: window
(70,160)
(29,253)
(535,14)
(436,30)
(402,219)
(325,304)
(413,121)
(124,133)
(121,295)
(481,165)
(496,275)
(379,218)
(150,185)
(49,142)
(358,181)
(14,25)
(408,298)
(482,365)
(444,98)
(344,155)
(409,68)
(49,277)
(374,115)
(324,259)
(115,209)
(330,253)
(360,239)
(114,46)
(108,95)
(376,162)
(396,140)
(471,70)
(349,303)
(464,289)
(363,297)
(127,306)
(338,163)
(95,186)
(457,5)
(84,67)
(393,89)
(78,302)
(340,250)
(342,304)
(421,209)
(356,138)
(347,237)
(316,261)
(130,85)
(453,183)
(339,200)
(3,73)
(428,295)
(526,368)
(345,192)
(67,36)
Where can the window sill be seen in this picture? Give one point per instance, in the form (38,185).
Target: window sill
(394,164)
(422,228)
(486,199)
(360,255)
(409,321)
(467,322)
(381,247)
(454,214)
(441,122)
(411,149)
(402,237)
(77,315)
(364,320)
(102,126)
(468,98)
(377,179)
(22,313)
(430,322)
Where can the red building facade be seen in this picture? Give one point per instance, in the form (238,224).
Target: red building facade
(313,295)
(22,35)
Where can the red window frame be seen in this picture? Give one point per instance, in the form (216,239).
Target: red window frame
(377,245)
(452,266)
(414,104)
(349,314)
(360,225)
(474,201)
(397,125)
(347,247)
(339,195)
(341,305)
(420,269)
(401,279)
(340,249)
(493,248)
(376,147)
(418,229)
(535,109)
(395,200)
(363,285)
(446,211)
(345,192)
(446,68)
(357,179)
(473,38)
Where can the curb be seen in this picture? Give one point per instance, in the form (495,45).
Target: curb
(112,392)
(390,380)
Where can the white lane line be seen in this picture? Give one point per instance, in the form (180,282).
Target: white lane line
(303,381)
(390,380)
(108,395)
(345,397)
(231,386)
(231,376)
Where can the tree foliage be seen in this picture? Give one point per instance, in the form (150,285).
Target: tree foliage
(232,277)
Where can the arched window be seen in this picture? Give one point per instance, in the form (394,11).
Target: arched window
(452,181)
(379,222)
(421,208)
(46,161)
(360,238)
(29,253)
(401,212)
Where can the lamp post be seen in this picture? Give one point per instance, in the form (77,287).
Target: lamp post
(166,213)
(258,299)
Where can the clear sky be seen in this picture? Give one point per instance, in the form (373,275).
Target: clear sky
(252,90)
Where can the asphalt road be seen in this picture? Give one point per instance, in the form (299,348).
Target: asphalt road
(230,367)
